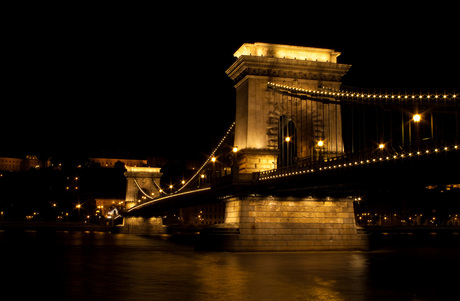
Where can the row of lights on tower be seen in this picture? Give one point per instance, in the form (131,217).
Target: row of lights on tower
(320,143)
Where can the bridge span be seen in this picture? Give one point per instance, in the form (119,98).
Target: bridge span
(287,173)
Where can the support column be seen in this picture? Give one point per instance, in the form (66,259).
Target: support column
(293,224)
(143,225)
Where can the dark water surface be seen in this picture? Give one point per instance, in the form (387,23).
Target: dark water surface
(53,265)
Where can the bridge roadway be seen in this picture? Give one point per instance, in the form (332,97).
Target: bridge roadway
(341,177)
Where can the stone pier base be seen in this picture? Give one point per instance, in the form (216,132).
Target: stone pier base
(143,225)
(292,224)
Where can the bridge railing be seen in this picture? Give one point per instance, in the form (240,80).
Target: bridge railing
(350,160)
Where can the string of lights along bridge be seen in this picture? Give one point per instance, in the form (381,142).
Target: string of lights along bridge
(367,95)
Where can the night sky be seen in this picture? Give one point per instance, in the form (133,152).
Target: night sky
(150,81)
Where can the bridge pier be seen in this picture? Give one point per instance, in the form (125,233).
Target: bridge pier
(267,223)
(142,225)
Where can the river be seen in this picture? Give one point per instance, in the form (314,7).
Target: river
(79,265)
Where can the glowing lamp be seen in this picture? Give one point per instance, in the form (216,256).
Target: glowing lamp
(320,143)
(417,118)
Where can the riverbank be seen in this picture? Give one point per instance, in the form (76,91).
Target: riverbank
(57,226)
(409,237)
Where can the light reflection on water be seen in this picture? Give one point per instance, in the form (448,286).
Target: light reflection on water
(104,266)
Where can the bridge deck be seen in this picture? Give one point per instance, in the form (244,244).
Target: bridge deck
(342,178)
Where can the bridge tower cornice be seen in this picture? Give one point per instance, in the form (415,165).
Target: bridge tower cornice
(285,69)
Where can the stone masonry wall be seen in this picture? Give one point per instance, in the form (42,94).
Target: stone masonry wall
(249,163)
(293,224)
(143,225)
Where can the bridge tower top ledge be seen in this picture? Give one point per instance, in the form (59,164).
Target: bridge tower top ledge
(311,67)
(288,52)
(138,172)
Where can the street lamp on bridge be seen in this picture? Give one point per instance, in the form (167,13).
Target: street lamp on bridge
(417,117)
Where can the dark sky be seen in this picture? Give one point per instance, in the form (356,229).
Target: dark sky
(145,81)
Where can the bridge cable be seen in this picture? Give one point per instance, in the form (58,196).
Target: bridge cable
(209,158)
(141,190)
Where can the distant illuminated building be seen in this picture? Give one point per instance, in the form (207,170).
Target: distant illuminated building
(103,206)
(19,164)
(30,161)
(10,164)
(110,162)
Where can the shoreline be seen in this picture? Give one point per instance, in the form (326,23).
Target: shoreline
(60,226)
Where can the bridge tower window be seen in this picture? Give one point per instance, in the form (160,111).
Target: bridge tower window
(287,142)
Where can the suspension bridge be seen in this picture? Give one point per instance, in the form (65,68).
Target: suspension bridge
(285,174)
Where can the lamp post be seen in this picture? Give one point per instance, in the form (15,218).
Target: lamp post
(288,154)
(319,146)
(213,176)
(78,207)
(416,118)
(235,167)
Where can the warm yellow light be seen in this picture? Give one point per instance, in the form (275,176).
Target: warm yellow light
(417,118)
(287,139)
(381,146)
(213,159)
(183,182)
(235,149)
(170,186)
(202,176)
(78,206)
(320,143)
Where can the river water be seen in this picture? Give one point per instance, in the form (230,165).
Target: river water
(63,265)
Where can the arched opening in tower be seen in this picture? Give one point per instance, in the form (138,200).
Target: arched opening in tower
(287,142)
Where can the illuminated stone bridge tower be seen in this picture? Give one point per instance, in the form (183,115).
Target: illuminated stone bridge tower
(146,179)
(260,118)
(266,125)
(142,184)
